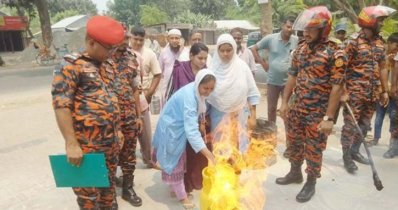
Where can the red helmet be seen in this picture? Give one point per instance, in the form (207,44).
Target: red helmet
(314,17)
(367,18)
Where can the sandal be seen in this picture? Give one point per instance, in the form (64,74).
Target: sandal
(188,206)
(189,195)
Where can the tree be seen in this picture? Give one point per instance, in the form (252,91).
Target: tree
(171,7)
(280,9)
(81,6)
(197,20)
(126,11)
(348,9)
(45,23)
(23,8)
(151,14)
(266,20)
(286,8)
(215,8)
(244,7)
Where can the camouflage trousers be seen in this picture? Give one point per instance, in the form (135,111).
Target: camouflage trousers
(363,111)
(127,157)
(92,198)
(305,142)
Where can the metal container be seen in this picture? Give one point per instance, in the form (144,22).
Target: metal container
(155,105)
(265,130)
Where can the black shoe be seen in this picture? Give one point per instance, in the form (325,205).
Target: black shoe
(115,206)
(359,158)
(392,150)
(349,164)
(389,154)
(128,193)
(308,190)
(294,176)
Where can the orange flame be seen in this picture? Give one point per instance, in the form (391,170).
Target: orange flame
(233,183)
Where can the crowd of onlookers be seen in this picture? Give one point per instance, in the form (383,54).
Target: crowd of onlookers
(103,98)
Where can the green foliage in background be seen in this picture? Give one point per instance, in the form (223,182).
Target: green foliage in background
(126,11)
(83,7)
(151,14)
(198,20)
(64,14)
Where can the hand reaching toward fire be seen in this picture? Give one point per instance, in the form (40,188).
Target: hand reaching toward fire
(252,122)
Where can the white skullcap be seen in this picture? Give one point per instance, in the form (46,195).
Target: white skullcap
(174,31)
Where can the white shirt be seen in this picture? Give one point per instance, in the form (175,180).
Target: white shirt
(149,67)
(247,56)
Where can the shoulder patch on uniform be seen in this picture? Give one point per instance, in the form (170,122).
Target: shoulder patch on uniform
(71,58)
(339,62)
(89,68)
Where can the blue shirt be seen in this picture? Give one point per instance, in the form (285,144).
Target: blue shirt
(177,125)
(279,56)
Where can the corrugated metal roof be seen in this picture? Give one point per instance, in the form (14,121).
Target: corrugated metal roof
(64,23)
(230,24)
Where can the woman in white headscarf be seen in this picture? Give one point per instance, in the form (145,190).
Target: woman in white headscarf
(177,125)
(236,93)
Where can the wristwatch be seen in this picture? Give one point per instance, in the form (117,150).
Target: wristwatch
(327,118)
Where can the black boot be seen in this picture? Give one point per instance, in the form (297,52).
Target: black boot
(128,193)
(392,150)
(356,155)
(294,176)
(349,164)
(286,154)
(109,208)
(118,181)
(115,206)
(308,190)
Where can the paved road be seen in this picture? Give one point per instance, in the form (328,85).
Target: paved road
(21,80)
(29,134)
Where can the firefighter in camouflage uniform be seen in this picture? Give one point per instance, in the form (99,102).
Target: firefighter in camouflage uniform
(316,79)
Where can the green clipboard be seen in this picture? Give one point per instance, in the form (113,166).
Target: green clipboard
(92,171)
